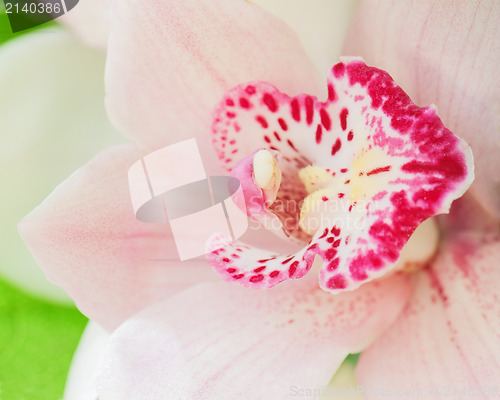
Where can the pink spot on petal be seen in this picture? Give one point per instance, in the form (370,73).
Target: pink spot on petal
(290,143)
(343,118)
(332,96)
(336,147)
(319,134)
(256,278)
(270,102)
(379,170)
(309,109)
(295,108)
(244,103)
(330,253)
(283,124)
(262,121)
(333,265)
(339,70)
(337,282)
(335,231)
(325,119)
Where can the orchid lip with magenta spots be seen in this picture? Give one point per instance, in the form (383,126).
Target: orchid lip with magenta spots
(357,175)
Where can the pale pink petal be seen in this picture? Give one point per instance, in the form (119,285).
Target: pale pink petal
(221,342)
(389,166)
(446,343)
(467,213)
(446,53)
(88,241)
(170,62)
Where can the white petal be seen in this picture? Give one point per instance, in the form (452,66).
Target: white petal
(52,119)
(80,383)
(320,24)
(89,20)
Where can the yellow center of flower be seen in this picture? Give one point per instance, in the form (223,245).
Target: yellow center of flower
(366,176)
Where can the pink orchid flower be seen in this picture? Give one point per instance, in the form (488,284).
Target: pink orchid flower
(180,70)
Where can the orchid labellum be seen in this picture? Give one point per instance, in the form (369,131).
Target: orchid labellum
(337,171)
(358,173)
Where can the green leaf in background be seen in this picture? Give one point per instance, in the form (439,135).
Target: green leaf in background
(37,342)
(6,30)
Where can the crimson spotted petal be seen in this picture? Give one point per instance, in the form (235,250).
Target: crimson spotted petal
(360,171)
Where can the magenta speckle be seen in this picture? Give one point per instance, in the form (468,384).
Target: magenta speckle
(244,103)
(336,147)
(343,118)
(309,109)
(325,119)
(330,253)
(333,265)
(270,102)
(378,170)
(337,282)
(332,96)
(262,121)
(287,260)
(256,278)
(295,109)
(290,143)
(283,124)
(339,70)
(319,134)
(335,231)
